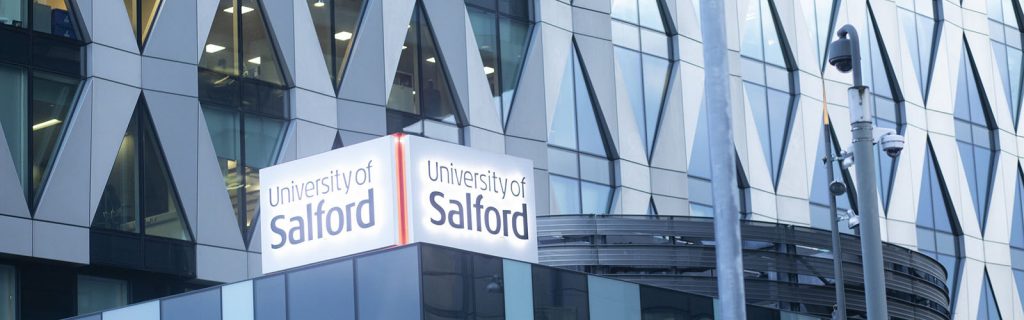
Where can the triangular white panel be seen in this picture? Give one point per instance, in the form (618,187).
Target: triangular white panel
(113,105)
(450,33)
(173,35)
(310,71)
(176,120)
(599,64)
(205,11)
(65,196)
(280,17)
(397,14)
(366,61)
(528,105)
(111,26)
(557,46)
(669,152)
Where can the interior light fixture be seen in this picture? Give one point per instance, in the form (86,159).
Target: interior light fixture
(255,60)
(45,124)
(343,36)
(319,4)
(431,60)
(244,10)
(212,48)
(488,70)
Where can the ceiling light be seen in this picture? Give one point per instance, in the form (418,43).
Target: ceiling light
(244,10)
(45,124)
(319,4)
(212,48)
(431,60)
(343,36)
(488,70)
(255,60)
(404,47)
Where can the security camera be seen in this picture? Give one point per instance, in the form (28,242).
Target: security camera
(837,188)
(892,144)
(851,217)
(840,55)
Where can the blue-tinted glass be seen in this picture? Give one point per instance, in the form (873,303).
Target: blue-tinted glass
(818,13)
(974,136)
(1006,42)
(590,138)
(1017,224)
(625,10)
(987,308)
(270,298)
(559,294)
(595,197)
(388,285)
(563,123)
(778,112)
(757,97)
(658,303)
(655,79)
(632,76)
(700,158)
(518,289)
(650,15)
(772,44)
(196,305)
(613,299)
(322,292)
(237,300)
(461,285)
(752,41)
(513,38)
(565,195)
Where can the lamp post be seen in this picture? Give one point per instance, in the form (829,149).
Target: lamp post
(835,189)
(844,54)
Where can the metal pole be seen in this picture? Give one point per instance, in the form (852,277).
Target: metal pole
(867,200)
(837,248)
(728,254)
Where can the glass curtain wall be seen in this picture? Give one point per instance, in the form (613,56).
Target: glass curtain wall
(938,233)
(821,213)
(421,101)
(141,14)
(336,23)
(888,106)
(987,307)
(139,196)
(975,135)
(581,176)
(917,19)
(818,13)
(642,52)
(1005,33)
(47,16)
(502,31)
(766,81)
(244,96)
(98,294)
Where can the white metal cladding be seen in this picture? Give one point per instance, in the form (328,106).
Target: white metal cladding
(117,74)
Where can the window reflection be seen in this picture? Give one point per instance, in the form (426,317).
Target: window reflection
(336,23)
(1006,38)
(580,173)
(642,50)
(420,101)
(98,294)
(974,136)
(559,294)
(937,235)
(502,37)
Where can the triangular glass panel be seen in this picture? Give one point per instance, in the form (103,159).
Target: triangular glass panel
(140,188)
(700,155)
(818,14)
(766,81)
(974,135)
(917,19)
(651,209)
(337,142)
(1006,38)
(502,37)
(642,52)
(888,107)
(336,23)
(141,14)
(938,235)
(1017,226)
(242,46)
(421,90)
(987,307)
(34,122)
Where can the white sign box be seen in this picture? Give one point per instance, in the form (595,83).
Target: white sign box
(392,191)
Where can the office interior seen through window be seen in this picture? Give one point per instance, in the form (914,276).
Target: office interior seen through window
(133,134)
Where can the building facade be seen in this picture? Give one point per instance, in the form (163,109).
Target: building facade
(133,131)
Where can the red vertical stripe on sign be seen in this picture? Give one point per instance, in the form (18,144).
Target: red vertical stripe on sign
(403,214)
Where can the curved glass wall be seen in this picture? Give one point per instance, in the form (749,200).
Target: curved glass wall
(938,234)
(642,51)
(917,19)
(502,31)
(766,81)
(421,100)
(243,94)
(336,23)
(887,103)
(580,172)
(140,196)
(974,136)
(141,14)
(40,74)
(1005,33)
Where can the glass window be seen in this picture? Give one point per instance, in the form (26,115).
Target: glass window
(420,93)
(581,175)
(269,299)
(987,308)
(642,50)
(936,235)
(195,305)
(336,23)
(975,136)
(388,285)
(8,293)
(237,301)
(1006,40)
(145,311)
(49,16)
(140,184)
(461,285)
(818,14)
(613,299)
(322,292)
(13,12)
(518,285)
(559,294)
(141,13)
(502,37)
(98,294)
(768,99)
